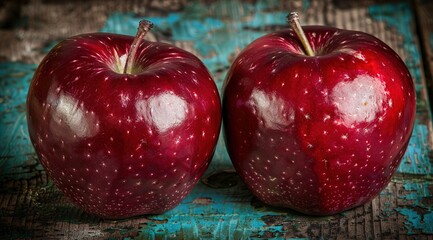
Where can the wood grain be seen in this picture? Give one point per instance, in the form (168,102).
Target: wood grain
(424,10)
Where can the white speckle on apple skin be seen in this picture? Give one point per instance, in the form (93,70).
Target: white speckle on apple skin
(359,100)
(164,111)
(273,111)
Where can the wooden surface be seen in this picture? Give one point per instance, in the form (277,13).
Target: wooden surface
(220,206)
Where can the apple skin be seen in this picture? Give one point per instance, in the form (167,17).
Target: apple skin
(318,134)
(116,144)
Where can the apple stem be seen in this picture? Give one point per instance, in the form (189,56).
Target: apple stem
(293,20)
(143,28)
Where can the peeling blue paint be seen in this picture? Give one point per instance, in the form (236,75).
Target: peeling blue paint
(416,159)
(419,213)
(415,221)
(418,192)
(16,151)
(225,218)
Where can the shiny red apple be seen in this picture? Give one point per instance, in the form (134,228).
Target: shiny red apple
(322,133)
(123,140)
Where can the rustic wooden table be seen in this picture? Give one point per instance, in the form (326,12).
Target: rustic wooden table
(220,206)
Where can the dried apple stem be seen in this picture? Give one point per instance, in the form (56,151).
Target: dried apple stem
(143,28)
(293,20)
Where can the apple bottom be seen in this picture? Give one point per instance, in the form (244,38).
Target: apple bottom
(125,198)
(309,189)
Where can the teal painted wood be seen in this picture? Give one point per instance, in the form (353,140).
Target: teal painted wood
(16,152)
(220,207)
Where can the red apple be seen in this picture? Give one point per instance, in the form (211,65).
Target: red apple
(322,133)
(123,140)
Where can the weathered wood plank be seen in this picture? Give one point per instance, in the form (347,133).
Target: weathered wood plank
(424,10)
